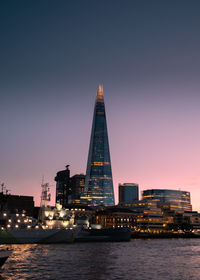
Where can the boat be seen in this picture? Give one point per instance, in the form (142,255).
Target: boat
(4,255)
(21,229)
(36,236)
(55,225)
(103,234)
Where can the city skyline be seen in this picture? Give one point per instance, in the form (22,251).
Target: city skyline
(147,57)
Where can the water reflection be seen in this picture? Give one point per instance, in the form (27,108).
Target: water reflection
(99,261)
(138,260)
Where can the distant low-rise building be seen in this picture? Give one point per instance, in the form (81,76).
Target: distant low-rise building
(186,221)
(141,216)
(113,217)
(149,215)
(17,203)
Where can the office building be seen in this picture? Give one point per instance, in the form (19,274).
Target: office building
(140,216)
(175,200)
(77,183)
(128,192)
(69,189)
(99,184)
(63,188)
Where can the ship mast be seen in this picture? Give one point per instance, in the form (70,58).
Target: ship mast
(45,198)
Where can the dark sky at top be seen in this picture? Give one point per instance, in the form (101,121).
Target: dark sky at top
(62,42)
(53,54)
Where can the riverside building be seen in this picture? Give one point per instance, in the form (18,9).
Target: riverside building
(174,200)
(99,183)
(140,216)
(17,203)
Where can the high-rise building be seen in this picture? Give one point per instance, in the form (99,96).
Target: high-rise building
(77,183)
(69,189)
(128,192)
(99,184)
(63,188)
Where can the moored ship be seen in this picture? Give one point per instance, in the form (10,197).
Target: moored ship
(18,228)
(55,225)
(87,232)
(42,236)
(103,234)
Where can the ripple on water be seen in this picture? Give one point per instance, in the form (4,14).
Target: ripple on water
(162,259)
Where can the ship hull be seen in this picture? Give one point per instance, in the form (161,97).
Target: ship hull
(105,234)
(35,236)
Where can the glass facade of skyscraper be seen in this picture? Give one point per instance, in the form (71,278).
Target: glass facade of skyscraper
(99,184)
(173,199)
(128,192)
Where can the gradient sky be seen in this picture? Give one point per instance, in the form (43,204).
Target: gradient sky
(53,55)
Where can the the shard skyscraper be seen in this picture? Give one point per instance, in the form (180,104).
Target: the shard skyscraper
(99,183)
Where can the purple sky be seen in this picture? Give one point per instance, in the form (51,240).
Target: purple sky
(53,55)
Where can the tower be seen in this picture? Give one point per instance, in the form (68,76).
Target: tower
(63,190)
(98,183)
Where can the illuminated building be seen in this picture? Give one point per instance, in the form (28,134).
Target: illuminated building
(115,217)
(63,189)
(77,183)
(149,215)
(182,222)
(99,184)
(193,219)
(170,199)
(17,203)
(128,192)
(68,189)
(140,216)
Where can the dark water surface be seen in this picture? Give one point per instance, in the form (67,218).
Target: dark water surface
(162,259)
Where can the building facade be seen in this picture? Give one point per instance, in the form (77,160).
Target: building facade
(174,200)
(17,203)
(63,189)
(69,189)
(77,183)
(99,183)
(128,192)
(140,216)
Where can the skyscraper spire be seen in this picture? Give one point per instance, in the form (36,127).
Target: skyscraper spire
(99,95)
(99,184)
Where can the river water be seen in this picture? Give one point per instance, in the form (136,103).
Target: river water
(151,259)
